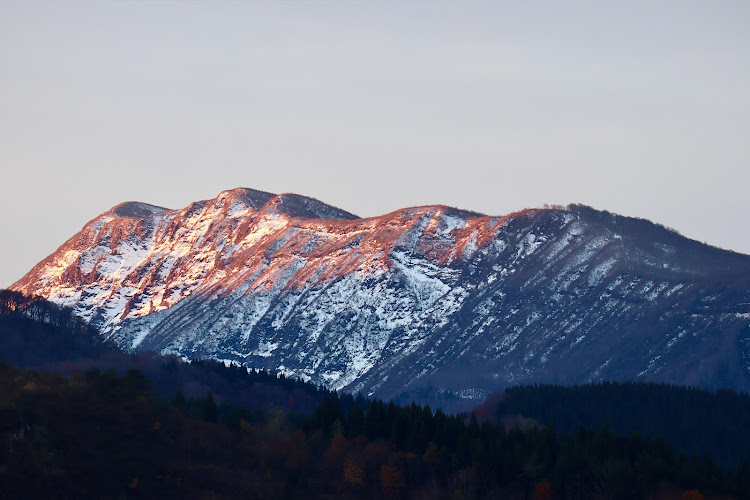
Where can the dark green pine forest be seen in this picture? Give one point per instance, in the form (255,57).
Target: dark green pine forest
(81,420)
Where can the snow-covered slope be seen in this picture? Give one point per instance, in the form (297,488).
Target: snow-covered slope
(430,303)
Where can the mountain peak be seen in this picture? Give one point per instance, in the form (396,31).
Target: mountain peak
(295,205)
(253,198)
(442,209)
(135,209)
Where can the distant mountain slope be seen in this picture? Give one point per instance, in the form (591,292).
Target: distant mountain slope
(431,303)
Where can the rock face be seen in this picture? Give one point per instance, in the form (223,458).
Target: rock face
(430,303)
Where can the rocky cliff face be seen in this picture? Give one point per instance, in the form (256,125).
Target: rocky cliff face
(431,303)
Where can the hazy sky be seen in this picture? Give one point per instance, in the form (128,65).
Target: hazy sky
(638,107)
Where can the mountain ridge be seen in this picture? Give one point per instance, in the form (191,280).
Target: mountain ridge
(418,299)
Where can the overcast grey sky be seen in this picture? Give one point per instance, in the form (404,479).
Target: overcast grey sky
(638,107)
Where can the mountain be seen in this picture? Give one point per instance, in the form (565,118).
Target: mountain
(431,303)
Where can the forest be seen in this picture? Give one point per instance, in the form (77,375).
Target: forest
(100,435)
(105,424)
(694,420)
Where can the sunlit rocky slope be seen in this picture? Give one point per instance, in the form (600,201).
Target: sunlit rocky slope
(427,303)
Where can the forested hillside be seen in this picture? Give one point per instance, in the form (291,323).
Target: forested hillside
(35,333)
(99,435)
(696,421)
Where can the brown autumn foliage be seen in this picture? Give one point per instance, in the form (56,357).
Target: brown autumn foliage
(354,474)
(333,458)
(391,480)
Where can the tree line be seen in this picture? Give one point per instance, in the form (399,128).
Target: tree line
(98,435)
(694,420)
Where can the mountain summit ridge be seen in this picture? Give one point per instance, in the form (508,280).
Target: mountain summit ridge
(418,302)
